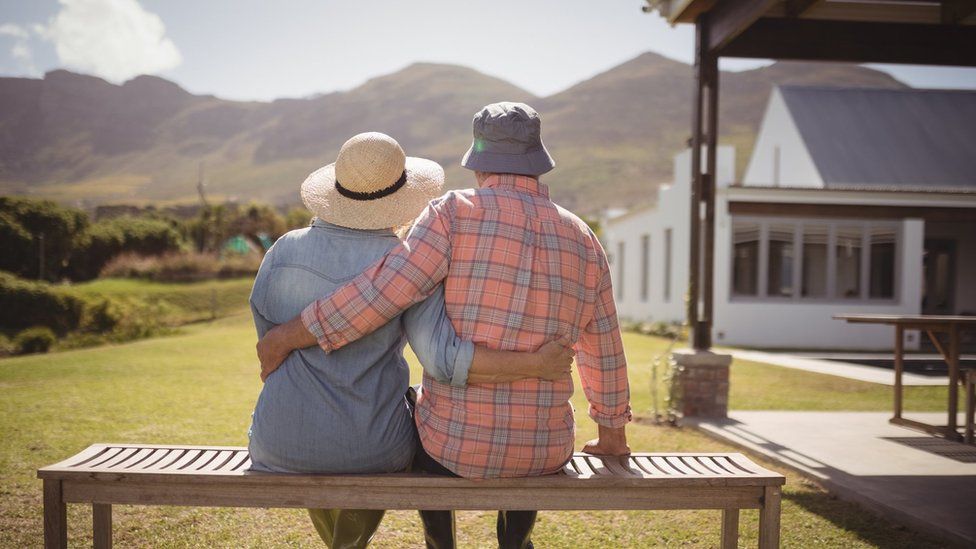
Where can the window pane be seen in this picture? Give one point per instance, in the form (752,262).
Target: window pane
(667,265)
(848,258)
(882,262)
(620,269)
(779,278)
(745,258)
(814,261)
(645,265)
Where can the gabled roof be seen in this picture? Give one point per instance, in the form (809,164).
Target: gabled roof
(887,138)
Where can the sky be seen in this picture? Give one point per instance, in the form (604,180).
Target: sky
(263,49)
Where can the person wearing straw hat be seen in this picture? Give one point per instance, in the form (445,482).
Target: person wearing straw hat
(518,271)
(346,412)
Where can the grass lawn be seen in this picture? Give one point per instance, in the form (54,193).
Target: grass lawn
(180,302)
(199,386)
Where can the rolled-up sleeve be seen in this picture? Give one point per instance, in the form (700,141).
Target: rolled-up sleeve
(444,355)
(601,361)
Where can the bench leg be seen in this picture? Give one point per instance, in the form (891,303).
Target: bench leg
(102,525)
(769,519)
(55,516)
(730,528)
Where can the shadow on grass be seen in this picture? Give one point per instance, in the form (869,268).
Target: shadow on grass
(854,518)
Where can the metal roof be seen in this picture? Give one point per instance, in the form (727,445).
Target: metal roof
(888,138)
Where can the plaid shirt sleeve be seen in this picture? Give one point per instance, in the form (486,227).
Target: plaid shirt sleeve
(600,358)
(408,274)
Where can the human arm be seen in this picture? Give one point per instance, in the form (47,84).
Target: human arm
(450,359)
(406,275)
(603,371)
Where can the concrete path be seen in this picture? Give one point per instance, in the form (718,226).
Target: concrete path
(848,370)
(924,482)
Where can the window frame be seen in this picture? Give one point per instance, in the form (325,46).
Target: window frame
(798,224)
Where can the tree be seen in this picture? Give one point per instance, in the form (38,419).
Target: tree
(54,232)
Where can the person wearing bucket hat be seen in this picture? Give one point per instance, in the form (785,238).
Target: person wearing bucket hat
(518,271)
(345,412)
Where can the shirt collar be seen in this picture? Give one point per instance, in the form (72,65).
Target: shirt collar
(318,222)
(521,183)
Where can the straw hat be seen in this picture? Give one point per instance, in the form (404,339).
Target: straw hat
(372,185)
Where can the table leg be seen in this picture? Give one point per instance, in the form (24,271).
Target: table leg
(970,404)
(899,366)
(953,377)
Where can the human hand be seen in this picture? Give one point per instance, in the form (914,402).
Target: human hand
(271,352)
(611,442)
(555,359)
(281,340)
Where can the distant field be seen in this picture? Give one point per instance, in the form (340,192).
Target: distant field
(199,387)
(180,302)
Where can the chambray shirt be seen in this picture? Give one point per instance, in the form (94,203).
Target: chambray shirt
(342,412)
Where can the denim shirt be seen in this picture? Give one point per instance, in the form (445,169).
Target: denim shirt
(342,412)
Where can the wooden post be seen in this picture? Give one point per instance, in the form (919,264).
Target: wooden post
(730,528)
(953,378)
(694,219)
(769,518)
(55,516)
(899,366)
(708,187)
(102,525)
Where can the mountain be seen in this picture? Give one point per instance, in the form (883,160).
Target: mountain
(80,139)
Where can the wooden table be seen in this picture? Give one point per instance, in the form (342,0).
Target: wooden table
(931,325)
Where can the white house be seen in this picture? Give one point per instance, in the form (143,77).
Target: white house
(854,200)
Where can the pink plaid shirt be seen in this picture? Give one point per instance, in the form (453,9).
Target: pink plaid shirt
(518,271)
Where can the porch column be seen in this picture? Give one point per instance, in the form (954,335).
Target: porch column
(702,230)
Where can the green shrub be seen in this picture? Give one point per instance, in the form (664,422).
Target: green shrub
(26,303)
(23,221)
(112,237)
(6,346)
(38,339)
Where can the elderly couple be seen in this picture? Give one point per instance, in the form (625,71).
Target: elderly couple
(495,288)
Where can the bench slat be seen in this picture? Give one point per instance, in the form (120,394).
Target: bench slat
(229,465)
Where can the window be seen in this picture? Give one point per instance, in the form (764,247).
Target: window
(848,262)
(814,278)
(645,265)
(779,274)
(882,266)
(620,269)
(745,258)
(814,259)
(667,265)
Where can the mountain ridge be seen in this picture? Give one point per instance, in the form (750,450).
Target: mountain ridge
(82,140)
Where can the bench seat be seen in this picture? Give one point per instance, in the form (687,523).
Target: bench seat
(141,474)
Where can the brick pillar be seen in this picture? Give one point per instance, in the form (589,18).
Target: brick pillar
(703,383)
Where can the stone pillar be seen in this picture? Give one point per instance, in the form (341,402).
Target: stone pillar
(702,379)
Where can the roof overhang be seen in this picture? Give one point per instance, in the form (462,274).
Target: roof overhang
(932,32)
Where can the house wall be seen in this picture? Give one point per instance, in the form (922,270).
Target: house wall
(809,324)
(670,212)
(794,164)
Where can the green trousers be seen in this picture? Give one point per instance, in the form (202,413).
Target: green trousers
(346,528)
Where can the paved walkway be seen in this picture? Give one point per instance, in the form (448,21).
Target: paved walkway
(924,482)
(848,370)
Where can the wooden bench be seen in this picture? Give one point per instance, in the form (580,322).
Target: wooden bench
(217,476)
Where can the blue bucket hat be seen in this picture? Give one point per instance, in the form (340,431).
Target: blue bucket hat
(508,139)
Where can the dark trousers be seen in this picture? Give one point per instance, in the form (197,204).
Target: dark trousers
(513,528)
